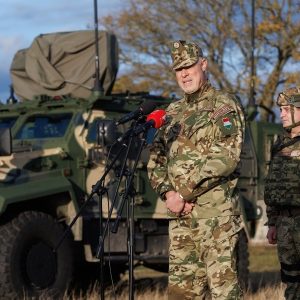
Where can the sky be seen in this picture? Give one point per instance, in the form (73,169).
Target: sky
(22,20)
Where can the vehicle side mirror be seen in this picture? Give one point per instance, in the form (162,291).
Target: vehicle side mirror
(5,142)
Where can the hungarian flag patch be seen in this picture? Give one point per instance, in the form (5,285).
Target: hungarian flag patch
(226,123)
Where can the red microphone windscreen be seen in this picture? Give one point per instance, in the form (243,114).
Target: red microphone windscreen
(158,116)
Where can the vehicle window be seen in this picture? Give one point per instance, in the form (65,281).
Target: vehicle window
(92,132)
(7,122)
(102,129)
(41,126)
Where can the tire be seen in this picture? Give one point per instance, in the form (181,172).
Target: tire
(28,265)
(243,260)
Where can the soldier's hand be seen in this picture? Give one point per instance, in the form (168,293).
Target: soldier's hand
(188,207)
(174,202)
(271,235)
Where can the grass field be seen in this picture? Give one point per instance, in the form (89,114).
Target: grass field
(263,258)
(264,281)
(264,277)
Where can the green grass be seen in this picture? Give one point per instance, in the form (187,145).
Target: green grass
(264,281)
(263,258)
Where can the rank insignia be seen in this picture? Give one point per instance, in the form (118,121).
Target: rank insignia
(226,123)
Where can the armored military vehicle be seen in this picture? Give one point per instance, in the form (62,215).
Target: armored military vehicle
(55,145)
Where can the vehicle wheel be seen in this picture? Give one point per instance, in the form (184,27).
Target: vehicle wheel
(243,260)
(28,265)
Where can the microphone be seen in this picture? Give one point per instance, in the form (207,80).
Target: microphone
(154,120)
(144,109)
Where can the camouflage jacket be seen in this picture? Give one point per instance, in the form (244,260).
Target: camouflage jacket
(199,145)
(282,182)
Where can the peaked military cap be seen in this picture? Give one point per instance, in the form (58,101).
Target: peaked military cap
(184,54)
(290,96)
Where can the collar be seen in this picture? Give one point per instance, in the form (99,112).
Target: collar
(287,134)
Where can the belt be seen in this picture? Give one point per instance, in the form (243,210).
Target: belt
(293,211)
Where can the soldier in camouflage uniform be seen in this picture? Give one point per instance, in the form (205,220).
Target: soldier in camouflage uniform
(282,193)
(192,165)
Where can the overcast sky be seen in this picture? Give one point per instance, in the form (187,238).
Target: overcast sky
(22,20)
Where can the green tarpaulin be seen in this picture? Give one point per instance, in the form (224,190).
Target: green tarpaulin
(64,64)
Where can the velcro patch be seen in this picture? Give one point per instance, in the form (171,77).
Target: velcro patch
(223,110)
(227,125)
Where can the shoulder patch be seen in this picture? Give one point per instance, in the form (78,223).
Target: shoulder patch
(227,125)
(221,111)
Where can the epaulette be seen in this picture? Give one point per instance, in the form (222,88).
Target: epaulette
(221,111)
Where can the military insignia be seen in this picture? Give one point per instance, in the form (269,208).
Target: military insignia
(226,123)
(225,109)
(176,45)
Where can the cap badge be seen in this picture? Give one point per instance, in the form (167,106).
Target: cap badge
(176,45)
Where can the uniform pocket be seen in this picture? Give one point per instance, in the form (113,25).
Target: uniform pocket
(226,227)
(196,121)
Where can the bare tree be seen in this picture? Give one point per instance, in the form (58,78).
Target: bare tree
(222,28)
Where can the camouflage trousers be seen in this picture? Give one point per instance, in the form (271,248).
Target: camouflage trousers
(202,261)
(288,246)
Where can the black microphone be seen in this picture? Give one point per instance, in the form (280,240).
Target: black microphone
(144,109)
(154,120)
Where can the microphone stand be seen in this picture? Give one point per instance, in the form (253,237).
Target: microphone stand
(100,205)
(122,173)
(98,189)
(130,190)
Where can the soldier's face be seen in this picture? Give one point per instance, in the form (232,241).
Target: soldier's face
(190,79)
(286,115)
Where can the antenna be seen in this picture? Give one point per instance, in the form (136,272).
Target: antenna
(252,78)
(98,86)
(11,99)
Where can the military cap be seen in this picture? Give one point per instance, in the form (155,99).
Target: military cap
(289,96)
(184,54)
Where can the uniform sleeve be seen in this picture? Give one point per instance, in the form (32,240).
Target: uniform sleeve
(157,168)
(271,210)
(272,214)
(201,166)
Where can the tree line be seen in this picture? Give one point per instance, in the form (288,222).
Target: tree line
(223,29)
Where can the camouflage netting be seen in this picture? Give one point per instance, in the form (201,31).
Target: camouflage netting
(64,63)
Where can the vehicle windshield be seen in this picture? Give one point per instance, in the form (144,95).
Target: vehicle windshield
(7,122)
(44,126)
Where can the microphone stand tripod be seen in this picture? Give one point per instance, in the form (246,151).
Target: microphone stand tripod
(98,189)
(130,191)
(124,172)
